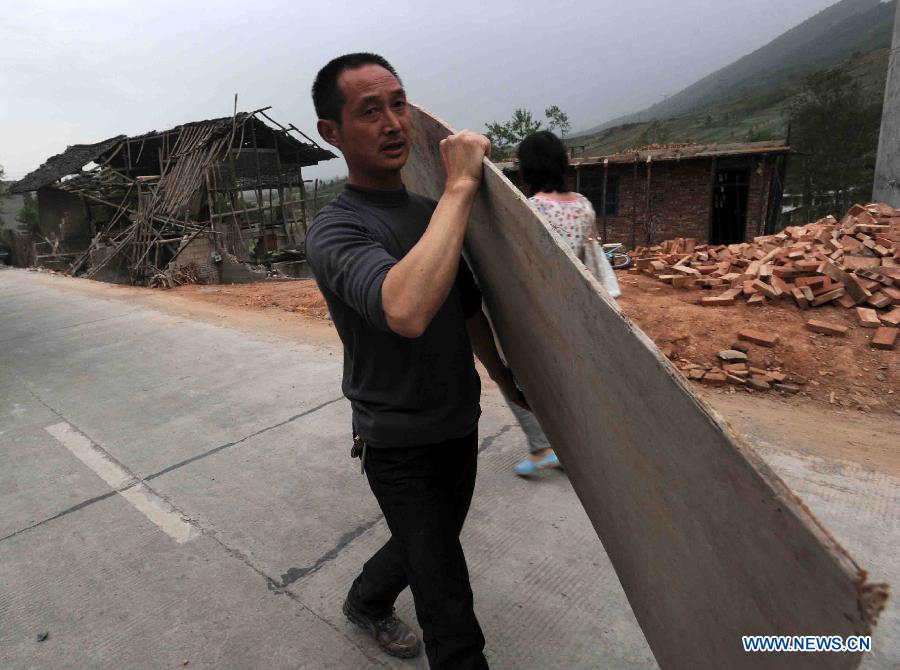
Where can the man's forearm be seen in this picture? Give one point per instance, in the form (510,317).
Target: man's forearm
(416,287)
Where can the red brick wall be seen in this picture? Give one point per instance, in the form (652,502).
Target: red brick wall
(680,199)
(678,206)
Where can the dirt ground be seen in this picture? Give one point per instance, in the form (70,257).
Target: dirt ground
(808,422)
(298,297)
(845,371)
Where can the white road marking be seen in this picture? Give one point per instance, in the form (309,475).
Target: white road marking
(141,497)
(88,453)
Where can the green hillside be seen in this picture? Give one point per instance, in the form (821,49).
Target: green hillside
(821,84)
(832,37)
(762,115)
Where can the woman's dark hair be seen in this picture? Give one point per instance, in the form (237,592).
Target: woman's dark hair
(326,94)
(543,162)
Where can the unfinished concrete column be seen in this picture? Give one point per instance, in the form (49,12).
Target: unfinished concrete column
(887,169)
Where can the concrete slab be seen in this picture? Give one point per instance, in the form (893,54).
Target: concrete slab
(313,499)
(284,519)
(37,478)
(281,493)
(149,395)
(544,597)
(115,592)
(863,506)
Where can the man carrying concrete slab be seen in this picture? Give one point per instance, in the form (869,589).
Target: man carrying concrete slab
(409,314)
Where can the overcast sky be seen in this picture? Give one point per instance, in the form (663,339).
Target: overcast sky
(78,72)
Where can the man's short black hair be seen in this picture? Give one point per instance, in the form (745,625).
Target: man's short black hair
(543,162)
(326,93)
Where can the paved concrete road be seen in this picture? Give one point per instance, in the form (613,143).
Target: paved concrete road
(173,490)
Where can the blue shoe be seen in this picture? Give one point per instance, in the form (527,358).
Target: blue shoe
(527,467)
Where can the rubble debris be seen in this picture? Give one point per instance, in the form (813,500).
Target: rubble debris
(758,337)
(854,262)
(736,368)
(885,338)
(156,202)
(868,318)
(826,327)
(851,264)
(732,355)
(714,378)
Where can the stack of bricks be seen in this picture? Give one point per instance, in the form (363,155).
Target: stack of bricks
(854,263)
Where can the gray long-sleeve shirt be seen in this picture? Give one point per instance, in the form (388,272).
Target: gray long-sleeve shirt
(403,391)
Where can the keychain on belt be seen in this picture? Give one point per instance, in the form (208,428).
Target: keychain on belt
(358,450)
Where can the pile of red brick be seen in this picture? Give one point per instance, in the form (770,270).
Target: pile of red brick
(737,366)
(854,263)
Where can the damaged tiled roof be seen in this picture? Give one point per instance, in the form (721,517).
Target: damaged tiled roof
(77,156)
(68,162)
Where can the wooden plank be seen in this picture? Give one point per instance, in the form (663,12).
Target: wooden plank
(708,543)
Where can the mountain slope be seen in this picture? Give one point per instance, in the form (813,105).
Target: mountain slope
(760,116)
(848,28)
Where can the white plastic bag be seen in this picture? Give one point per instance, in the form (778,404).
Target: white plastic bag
(597,262)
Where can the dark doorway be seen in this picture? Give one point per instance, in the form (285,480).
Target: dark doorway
(729,215)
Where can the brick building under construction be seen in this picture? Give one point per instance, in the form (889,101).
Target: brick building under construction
(716,193)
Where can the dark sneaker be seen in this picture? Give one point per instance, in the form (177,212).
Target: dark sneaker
(390,633)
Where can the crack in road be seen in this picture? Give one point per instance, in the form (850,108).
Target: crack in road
(294,575)
(59,515)
(73,325)
(222,447)
(270,582)
(135,477)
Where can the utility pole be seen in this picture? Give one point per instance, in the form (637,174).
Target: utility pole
(887,169)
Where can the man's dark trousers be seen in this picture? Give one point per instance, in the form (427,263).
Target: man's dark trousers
(424,493)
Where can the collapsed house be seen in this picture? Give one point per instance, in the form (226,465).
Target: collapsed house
(198,202)
(715,193)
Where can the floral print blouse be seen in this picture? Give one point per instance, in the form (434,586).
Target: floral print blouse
(573,220)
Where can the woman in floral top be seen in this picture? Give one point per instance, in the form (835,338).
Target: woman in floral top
(570,214)
(543,164)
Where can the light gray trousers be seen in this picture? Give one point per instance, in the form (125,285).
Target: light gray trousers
(537,441)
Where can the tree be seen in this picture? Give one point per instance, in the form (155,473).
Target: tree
(2,192)
(28,215)
(506,137)
(835,132)
(557,120)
